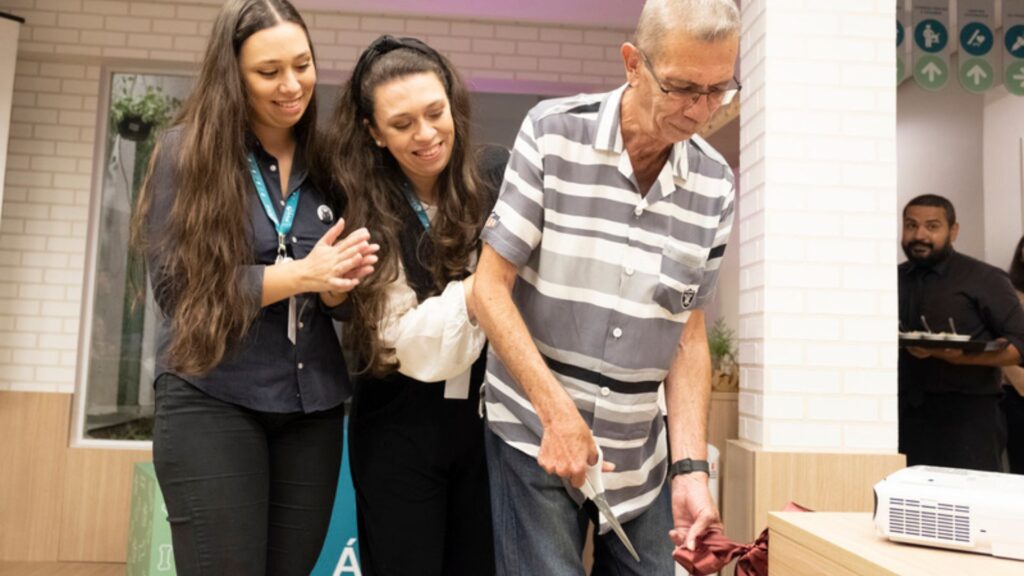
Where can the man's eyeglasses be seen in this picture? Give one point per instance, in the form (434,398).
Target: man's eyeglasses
(690,96)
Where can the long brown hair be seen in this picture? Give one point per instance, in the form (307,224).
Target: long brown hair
(208,236)
(373,181)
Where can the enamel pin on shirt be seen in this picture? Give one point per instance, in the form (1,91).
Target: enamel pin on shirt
(325,214)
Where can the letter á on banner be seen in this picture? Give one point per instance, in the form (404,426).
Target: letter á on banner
(347,562)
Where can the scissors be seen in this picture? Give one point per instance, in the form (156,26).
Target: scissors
(593,488)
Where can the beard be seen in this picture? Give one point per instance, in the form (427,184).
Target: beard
(932,258)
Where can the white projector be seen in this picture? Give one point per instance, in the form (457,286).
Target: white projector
(967,510)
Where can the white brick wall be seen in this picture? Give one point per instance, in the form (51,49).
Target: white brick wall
(50,161)
(817,226)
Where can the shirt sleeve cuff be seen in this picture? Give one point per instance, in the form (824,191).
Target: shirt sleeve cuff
(342,312)
(252,282)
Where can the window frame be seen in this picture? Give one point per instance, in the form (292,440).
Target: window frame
(78,438)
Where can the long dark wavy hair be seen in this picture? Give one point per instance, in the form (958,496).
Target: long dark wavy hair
(373,181)
(1017,266)
(208,232)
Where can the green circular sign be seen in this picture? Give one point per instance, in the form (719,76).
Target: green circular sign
(901,70)
(931,72)
(976,75)
(1014,78)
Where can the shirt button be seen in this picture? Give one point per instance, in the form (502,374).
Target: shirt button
(282,202)
(605,391)
(300,365)
(273,167)
(638,211)
(629,270)
(617,332)
(294,240)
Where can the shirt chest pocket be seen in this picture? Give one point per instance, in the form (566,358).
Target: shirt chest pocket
(681,272)
(312,221)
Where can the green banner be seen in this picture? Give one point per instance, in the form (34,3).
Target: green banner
(149,535)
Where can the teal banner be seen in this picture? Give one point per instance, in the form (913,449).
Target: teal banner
(340,555)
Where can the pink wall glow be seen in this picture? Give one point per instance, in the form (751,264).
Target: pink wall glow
(621,14)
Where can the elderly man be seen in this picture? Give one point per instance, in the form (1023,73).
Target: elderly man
(604,245)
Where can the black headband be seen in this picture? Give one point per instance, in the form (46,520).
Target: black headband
(388,43)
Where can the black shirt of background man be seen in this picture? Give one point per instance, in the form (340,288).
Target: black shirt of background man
(264,372)
(980,300)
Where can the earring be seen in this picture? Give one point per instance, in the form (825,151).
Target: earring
(380,144)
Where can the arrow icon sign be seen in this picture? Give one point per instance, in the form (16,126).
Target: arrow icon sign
(932,71)
(977,74)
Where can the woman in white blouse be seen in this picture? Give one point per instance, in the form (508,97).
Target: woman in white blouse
(400,149)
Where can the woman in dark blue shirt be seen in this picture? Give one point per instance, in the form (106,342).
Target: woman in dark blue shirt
(246,265)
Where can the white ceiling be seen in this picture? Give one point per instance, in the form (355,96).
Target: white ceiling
(621,14)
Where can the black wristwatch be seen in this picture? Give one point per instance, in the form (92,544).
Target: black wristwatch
(686,465)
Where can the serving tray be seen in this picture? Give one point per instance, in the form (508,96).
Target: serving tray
(969,346)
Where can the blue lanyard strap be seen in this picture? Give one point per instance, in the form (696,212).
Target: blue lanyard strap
(288,219)
(417,207)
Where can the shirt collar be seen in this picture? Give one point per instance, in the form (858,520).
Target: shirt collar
(609,133)
(265,159)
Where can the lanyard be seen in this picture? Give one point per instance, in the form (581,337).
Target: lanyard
(285,225)
(417,207)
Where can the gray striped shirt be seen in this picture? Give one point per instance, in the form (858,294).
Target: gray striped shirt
(607,279)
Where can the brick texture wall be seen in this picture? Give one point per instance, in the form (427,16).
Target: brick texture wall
(818,226)
(49,180)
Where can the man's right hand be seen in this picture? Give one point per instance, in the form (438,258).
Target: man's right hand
(567,448)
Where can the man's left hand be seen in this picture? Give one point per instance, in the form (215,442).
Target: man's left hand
(693,510)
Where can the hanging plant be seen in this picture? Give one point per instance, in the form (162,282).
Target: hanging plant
(138,116)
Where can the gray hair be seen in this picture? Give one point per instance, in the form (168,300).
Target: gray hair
(704,20)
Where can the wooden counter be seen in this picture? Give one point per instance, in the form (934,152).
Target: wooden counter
(846,544)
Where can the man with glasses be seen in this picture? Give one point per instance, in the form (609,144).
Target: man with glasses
(603,248)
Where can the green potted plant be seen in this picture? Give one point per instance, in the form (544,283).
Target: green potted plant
(724,369)
(136,116)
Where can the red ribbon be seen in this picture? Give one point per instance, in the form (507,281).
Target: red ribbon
(713,551)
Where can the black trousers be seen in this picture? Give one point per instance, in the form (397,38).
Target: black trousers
(420,477)
(952,430)
(1013,410)
(248,493)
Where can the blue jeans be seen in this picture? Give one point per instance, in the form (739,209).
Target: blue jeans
(539,530)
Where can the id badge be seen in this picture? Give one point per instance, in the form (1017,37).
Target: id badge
(457,388)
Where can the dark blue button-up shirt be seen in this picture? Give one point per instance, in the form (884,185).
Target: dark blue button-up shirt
(265,371)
